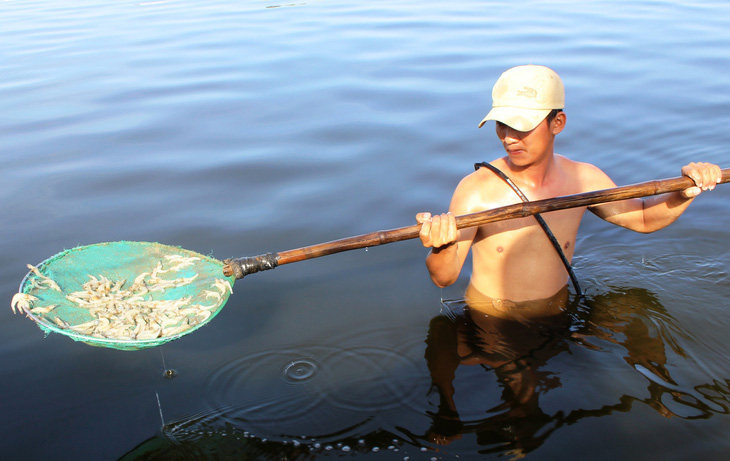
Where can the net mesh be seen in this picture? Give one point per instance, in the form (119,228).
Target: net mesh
(162,291)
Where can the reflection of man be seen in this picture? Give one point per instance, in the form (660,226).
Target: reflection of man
(512,259)
(520,350)
(516,350)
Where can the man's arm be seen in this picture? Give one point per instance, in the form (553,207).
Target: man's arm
(653,213)
(449,246)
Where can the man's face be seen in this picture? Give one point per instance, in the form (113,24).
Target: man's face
(527,147)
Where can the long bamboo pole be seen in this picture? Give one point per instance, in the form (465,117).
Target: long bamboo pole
(248,265)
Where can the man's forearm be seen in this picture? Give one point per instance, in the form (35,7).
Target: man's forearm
(443,265)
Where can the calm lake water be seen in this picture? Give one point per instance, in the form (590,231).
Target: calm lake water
(236,128)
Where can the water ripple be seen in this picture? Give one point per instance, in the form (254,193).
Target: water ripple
(316,390)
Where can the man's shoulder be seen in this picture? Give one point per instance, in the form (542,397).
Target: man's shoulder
(478,180)
(476,191)
(566,162)
(588,175)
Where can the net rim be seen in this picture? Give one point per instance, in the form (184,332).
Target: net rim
(121,344)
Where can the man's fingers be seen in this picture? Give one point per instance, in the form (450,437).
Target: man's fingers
(443,230)
(703,172)
(716,176)
(705,176)
(425,234)
(692,192)
(453,232)
(438,230)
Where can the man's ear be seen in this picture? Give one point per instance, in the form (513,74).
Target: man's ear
(558,123)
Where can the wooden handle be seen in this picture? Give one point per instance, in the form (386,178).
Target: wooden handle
(518,210)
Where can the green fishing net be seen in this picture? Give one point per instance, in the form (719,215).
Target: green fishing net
(124,295)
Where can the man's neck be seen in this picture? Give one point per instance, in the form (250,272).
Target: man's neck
(534,175)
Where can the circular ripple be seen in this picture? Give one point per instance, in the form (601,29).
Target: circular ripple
(268,387)
(315,390)
(300,370)
(370,378)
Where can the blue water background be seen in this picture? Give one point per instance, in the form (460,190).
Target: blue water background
(237,128)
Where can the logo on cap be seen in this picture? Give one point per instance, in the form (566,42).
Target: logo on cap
(527,92)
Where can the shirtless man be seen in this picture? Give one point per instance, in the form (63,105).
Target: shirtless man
(513,259)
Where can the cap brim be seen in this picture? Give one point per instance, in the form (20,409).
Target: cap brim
(517,118)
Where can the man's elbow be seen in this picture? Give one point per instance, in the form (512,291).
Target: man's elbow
(442,281)
(648,227)
(645,230)
(443,272)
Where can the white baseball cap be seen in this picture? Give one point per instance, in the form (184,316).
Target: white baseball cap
(524,95)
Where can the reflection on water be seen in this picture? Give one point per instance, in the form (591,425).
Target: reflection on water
(294,404)
(634,319)
(291,403)
(201,438)
(519,355)
(516,353)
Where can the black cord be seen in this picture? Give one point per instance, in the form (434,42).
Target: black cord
(540,221)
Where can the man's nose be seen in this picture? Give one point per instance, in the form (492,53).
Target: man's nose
(511,133)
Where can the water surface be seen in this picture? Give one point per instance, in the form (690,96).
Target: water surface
(237,128)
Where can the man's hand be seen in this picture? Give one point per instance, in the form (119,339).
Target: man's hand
(438,231)
(705,175)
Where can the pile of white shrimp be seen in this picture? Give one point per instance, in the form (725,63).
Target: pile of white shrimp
(123,312)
